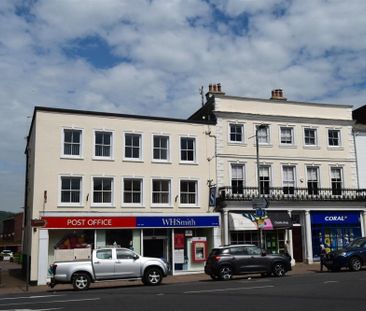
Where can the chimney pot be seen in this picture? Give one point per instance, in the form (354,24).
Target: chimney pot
(219,87)
(210,87)
(278,94)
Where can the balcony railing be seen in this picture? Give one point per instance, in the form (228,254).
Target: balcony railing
(292,194)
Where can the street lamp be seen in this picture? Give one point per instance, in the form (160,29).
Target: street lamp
(262,201)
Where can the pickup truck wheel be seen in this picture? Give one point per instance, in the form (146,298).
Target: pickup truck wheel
(152,276)
(81,281)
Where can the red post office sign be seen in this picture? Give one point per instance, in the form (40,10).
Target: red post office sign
(89,222)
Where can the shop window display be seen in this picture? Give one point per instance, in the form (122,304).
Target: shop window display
(76,239)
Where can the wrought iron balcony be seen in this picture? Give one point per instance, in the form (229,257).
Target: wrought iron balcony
(292,194)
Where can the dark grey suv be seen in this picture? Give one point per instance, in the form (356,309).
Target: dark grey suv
(226,261)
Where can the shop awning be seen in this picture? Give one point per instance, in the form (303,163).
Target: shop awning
(240,222)
(247,221)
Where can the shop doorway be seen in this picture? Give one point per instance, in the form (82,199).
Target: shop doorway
(154,248)
(297,243)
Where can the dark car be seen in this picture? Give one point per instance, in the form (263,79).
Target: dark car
(353,256)
(226,261)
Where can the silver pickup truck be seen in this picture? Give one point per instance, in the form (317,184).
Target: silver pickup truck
(108,264)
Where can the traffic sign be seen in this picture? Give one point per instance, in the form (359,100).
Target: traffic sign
(260,213)
(260,202)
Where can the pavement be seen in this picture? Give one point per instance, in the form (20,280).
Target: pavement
(12,281)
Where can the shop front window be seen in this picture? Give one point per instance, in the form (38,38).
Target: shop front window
(76,239)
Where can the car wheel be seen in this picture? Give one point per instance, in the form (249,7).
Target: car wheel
(152,276)
(81,281)
(278,269)
(355,264)
(226,273)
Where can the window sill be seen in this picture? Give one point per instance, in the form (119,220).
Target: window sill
(102,206)
(102,159)
(65,157)
(69,206)
(287,146)
(133,160)
(187,163)
(132,206)
(237,143)
(264,145)
(161,162)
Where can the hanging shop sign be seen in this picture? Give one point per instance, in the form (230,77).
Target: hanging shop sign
(335,218)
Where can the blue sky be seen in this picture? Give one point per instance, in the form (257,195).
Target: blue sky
(153,56)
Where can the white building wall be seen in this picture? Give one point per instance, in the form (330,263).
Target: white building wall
(360,139)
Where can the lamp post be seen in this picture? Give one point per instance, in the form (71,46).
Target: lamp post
(259,127)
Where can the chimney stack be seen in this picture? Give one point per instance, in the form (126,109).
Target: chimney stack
(277,94)
(214,89)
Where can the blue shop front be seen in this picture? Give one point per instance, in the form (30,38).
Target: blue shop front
(334,229)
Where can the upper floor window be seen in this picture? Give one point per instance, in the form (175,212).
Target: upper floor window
(334,137)
(288,175)
(133,146)
(188,192)
(313,180)
(161,191)
(263,134)
(287,135)
(336,180)
(102,191)
(310,137)
(161,148)
(188,149)
(132,190)
(72,143)
(103,144)
(264,179)
(236,133)
(237,178)
(70,190)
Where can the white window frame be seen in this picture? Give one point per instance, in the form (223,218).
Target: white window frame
(243,165)
(195,148)
(97,204)
(141,149)
(342,175)
(153,147)
(318,175)
(242,141)
(70,204)
(283,175)
(339,138)
(128,204)
(268,128)
(70,156)
(163,205)
(269,176)
(111,157)
(292,135)
(316,144)
(196,181)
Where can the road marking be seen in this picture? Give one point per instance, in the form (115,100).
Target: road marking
(45,302)
(33,309)
(29,297)
(226,289)
(327,282)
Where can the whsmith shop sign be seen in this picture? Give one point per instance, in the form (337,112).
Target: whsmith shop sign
(130,222)
(335,218)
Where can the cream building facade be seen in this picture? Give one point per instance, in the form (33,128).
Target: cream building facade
(97,179)
(307,173)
